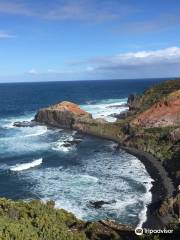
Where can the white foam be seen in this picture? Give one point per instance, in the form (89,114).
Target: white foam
(7,123)
(147,199)
(103,176)
(88,178)
(106,108)
(25,166)
(60,144)
(38,131)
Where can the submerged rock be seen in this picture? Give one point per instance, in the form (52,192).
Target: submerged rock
(69,143)
(99,204)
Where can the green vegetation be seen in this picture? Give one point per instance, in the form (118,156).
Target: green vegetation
(35,221)
(155,94)
(41,221)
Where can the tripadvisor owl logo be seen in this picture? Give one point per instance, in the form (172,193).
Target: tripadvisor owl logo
(139,231)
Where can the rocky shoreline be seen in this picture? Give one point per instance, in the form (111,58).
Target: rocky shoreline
(162,188)
(156,144)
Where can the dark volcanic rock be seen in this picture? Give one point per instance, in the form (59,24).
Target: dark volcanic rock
(99,204)
(25,124)
(69,143)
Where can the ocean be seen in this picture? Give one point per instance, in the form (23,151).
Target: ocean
(35,163)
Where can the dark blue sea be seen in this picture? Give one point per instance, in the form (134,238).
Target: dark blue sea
(35,163)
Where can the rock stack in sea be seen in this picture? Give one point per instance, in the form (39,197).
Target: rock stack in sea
(62,115)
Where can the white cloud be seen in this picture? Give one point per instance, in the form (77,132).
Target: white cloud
(33,71)
(132,59)
(139,64)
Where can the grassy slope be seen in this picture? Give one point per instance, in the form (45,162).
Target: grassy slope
(39,221)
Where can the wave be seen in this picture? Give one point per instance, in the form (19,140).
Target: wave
(39,132)
(7,123)
(25,166)
(147,199)
(106,108)
(4,167)
(88,178)
(61,144)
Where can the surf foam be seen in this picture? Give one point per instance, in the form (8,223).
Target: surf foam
(25,166)
(106,108)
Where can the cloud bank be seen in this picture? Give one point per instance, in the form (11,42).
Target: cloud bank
(65,10)
(140,58)
(139,64)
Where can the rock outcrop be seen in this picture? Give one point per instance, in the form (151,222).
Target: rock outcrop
(162,114)
(151,126)
(170,206)
(70,116)
(25,124)
(62,115)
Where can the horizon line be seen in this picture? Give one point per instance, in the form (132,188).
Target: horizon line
(114,79)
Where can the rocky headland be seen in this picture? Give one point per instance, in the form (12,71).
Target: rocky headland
(150,129)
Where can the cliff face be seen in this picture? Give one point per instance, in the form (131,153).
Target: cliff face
(71,116)
(164,113)
(62,115)
(140,103)
(152,124)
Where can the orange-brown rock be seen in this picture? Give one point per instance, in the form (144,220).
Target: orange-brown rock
(62,115)
(163,113)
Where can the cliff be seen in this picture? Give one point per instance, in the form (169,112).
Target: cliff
(163,113)
(152,126)
(62,115)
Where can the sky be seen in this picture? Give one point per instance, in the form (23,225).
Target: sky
(55,40)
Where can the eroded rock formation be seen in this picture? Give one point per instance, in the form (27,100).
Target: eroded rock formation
(62,115)
(162,114)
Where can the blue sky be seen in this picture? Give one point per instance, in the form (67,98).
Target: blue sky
(49,40)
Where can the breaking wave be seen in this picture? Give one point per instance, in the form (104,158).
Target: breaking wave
(25,166)
(106,108)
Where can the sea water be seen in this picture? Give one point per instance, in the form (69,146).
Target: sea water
(36,164)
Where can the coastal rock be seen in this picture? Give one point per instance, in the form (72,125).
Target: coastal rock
(25,124)
(108,230)
(133,102)
(63,115)
(69,143)
(162,114)
(140,103)
(170,206)
(99,204)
